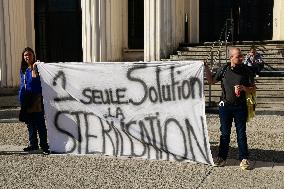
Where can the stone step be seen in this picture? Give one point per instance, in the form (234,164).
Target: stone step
(266,84)
(259,107)
(259,84)
(248,43)
(197,53)
(223,48)
(270,84)
(263,78)
(204,56)
(260,90)
(222,58)
(263,94)
(275,105)
(260,99)
(9,101)
(9,114)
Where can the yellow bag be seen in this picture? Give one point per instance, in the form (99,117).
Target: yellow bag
(251,104)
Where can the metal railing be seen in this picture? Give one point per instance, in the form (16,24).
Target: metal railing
(225,33)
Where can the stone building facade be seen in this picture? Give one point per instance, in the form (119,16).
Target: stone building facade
(105,28)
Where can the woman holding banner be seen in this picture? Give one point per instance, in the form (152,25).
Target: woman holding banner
(30,96)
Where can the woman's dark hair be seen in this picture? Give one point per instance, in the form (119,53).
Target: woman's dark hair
(252,48)
(24,64)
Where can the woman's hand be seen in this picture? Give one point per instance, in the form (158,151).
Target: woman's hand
(34,70)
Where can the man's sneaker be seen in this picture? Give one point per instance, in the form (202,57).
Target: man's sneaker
(30,148)
(245,165)
(219,162)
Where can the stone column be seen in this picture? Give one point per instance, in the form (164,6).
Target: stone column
(278,20)
(16,32)
(102,33)
(163,28)
(91,30)
(3,65)
(152,29)
(193,21)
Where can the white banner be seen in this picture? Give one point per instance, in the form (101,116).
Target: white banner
(149,110)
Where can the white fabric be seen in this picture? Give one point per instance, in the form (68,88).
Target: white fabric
(149,110)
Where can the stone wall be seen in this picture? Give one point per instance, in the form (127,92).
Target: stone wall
(16,32)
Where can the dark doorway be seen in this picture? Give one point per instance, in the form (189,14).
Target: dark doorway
(58,30)
(136,24)
(252,19)
(212,18)
(256,18)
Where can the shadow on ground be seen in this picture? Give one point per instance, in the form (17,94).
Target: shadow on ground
(254,154)
(8,153)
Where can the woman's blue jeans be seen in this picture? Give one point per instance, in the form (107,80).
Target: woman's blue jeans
(228,114)
(36,125)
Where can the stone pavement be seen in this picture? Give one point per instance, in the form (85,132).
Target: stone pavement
(19,169)
(256,165)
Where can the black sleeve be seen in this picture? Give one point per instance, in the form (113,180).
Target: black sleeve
(220,73)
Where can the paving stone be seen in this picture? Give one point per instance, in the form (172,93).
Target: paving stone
(34,170)
(278,167)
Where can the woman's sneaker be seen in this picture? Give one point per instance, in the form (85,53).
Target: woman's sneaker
(219,162)
(30,148)
(45,151)
(245,165)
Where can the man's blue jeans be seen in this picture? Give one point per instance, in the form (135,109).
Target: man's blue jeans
(227,114)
